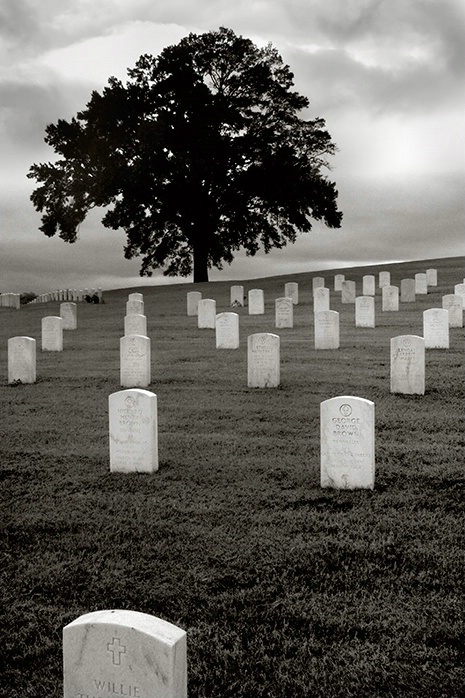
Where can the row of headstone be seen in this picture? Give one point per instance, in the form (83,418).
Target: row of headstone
(69,294)
(135,346)
(10,300)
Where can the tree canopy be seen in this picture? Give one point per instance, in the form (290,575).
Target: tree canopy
(201,153)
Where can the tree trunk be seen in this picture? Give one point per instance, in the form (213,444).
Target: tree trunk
(200,255)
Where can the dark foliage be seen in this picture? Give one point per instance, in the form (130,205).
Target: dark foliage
(202,152)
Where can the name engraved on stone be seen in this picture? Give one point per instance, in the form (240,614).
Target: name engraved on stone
(347,443)
(284,312)
(125,654)
(135,361)
(326,329)
(408,365)
(133,431)
(320,299)
(454,305)
(135,324)
(263,363)
(365,311)
(135,307)
(317,282)
(436,328)
(227,331)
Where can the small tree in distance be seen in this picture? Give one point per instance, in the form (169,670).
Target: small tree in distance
(201,153)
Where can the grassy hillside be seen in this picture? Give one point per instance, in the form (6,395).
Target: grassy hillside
(284,589)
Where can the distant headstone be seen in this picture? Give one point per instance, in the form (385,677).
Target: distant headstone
(291,290)
(384,279)
(206,314)
(326,329)
(454,305)
(407,291)
(135,324)
(347,427)
(365,311)
(135,307)
(390,298)
(124,653)
(52,333)
(133,431)
(68,313)
(408,365)
(227,331)
(317,282)
(21,360)
(136,296)
(432,277)
(459,290)
(135,362)
(256,301)
(320,299)
(436,328)
(284,312)
(348,292)
(263,361)
(338,279)
(193,298)
(369,283)
(237,295)
(421,287)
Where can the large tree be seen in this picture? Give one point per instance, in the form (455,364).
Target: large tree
(202,152)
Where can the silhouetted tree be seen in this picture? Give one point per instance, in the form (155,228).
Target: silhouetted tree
(202,152)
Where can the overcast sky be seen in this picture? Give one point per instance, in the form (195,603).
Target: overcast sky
(386,75)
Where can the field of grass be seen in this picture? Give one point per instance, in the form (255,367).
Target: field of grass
(284,589)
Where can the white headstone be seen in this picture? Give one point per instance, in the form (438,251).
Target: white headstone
(136,296)
(407,291)
(284,312)
(338,279)
(421,287)
(317,282)
(135,324)
(365,311)
(369,285)
(348,292)
(206,313)
(227,331)
(459,290)
(320,299)
(135,307)
(237,295)
(21,360)
(347,443)
(291,290)
(52,333)
(133,431)
(135,361)
(124,653)
(326,329)
(432,277)
(390,298)
(263,362)
(384,279)
(193,298)
(256,301)
(408,365)
(68,313)
(436,328)
(454,305)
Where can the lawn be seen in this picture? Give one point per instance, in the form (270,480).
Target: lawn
(284,589)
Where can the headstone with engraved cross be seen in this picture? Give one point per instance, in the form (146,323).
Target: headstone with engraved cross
(124,653)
